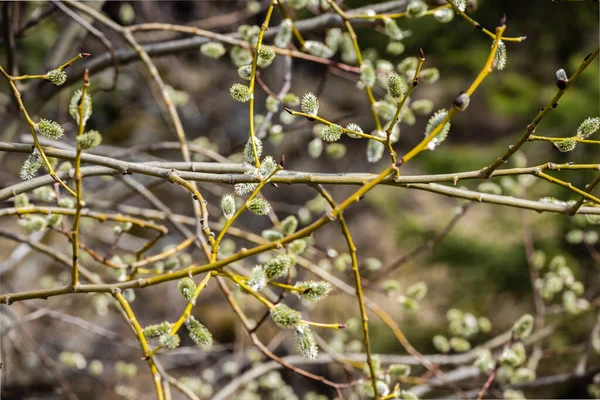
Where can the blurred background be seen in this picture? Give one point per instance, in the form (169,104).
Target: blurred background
(480,266)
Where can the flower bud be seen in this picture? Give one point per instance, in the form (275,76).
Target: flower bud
(284,36)
(523,327)
(331,133)
(169,341)
(153,331)
(187,288)
(285,317)
(277,267)
(245,72)
(416,9)
(500,57)
(31,165)
(240,92)
(566,145)
(305,341)
(57,76)
(228,206)
(212,50)
(258,206)
(198,332)
(74,106)
(50,129)
(266,53)
(318,49)
(310,104)
(89,140)
(395,85)
(588,127)
(367,75)
(288,225)
(313,291)
(444,15)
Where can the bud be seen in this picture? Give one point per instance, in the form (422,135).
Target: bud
(34,223)
(153,331)
(277,267)
(523,327)
(31,165)
(313,291)
(310,104)
(408,65)
(417,290)
(315,148)
(89,140)
(336,150)
(367,74)
(392,29)
(435,120)
(354,127)
(562,79)
(422,107)
(460,345)
(271,235)
(461,102)
(258,279)
(522,375)
(245,72)
(588,127)
(21,200)
(333,39)
(484,362)
(331,133)
(375,151)
(57,76)
(272,104)
(395,48)
(291,99)
(284,36)
(187,288)
(514,355)
(305,341)
(240,56)
(228,206)
(74,106)
(268,166)
(266,53)
(249,151)
(44,193)
(395,85)
(214,50)
(460,4)
(198,332)
(96,368)
(385,110)
(54,219)
(318,49)
(429,75)
(169,341)
(240,92)
(500,57)
(297,246)
(566,145)
(444,15)
(398,371)
(485,325)
(416,9)
(289,225)
(285,317)
(258,206)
